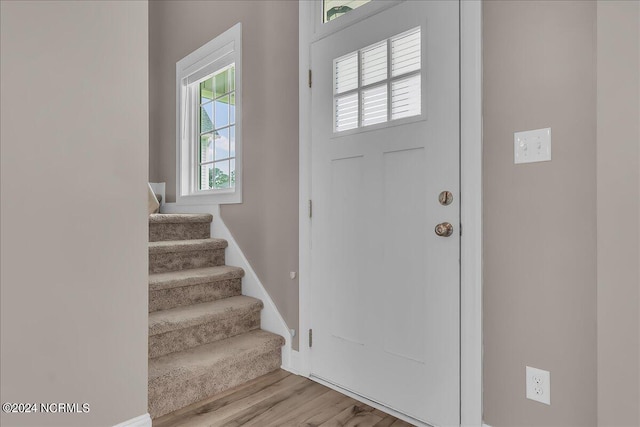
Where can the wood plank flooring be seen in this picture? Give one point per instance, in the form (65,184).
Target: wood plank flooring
(279,399)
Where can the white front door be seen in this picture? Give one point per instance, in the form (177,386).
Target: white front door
(385,144)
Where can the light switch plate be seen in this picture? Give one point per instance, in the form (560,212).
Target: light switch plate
(538,385)
(532,146)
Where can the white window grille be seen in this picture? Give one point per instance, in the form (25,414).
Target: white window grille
(379,83)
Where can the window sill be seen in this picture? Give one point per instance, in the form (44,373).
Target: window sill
(218,197)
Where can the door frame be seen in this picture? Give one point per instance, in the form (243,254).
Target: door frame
(470,192)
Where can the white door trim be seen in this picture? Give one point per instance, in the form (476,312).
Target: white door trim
(470,210)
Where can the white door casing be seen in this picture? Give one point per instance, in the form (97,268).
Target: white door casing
(385,290)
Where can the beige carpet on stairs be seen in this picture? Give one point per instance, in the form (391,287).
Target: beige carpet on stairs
(204,336)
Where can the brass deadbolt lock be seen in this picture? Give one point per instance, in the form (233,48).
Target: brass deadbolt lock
(445,198)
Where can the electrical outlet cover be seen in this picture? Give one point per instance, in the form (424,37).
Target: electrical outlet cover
(538,385)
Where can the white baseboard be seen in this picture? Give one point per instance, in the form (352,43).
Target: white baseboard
(141,421)
(485,425)
(294,363)
(270,318)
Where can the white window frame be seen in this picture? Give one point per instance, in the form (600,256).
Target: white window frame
(224,50)
(323,29)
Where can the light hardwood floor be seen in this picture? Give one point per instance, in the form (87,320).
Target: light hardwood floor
(279,399)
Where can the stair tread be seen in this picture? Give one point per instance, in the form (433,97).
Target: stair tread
(169,246)
(199,360)
(179,218)
(194,276)
(191,315)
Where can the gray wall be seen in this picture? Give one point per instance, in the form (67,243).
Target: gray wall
(542,298)
(265,225)
(74,155)
(618,213)
(540,218)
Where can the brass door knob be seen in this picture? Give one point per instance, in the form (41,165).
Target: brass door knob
(444,229)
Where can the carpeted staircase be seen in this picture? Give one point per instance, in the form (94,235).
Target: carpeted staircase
(204,336)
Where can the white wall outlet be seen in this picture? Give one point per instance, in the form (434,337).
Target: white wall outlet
(532,146)
(538,385)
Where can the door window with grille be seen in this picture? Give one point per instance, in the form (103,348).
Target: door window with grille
(379,83)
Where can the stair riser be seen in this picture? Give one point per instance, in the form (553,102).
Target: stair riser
(167,394)
(184,339)
(174,261)
(165,299)
(188,231)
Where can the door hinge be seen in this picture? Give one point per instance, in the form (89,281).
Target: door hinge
(309,78)
(310,209)
(310,337)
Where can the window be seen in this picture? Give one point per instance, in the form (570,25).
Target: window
(217,130)
(209,122)
(378,83)
(332,9)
